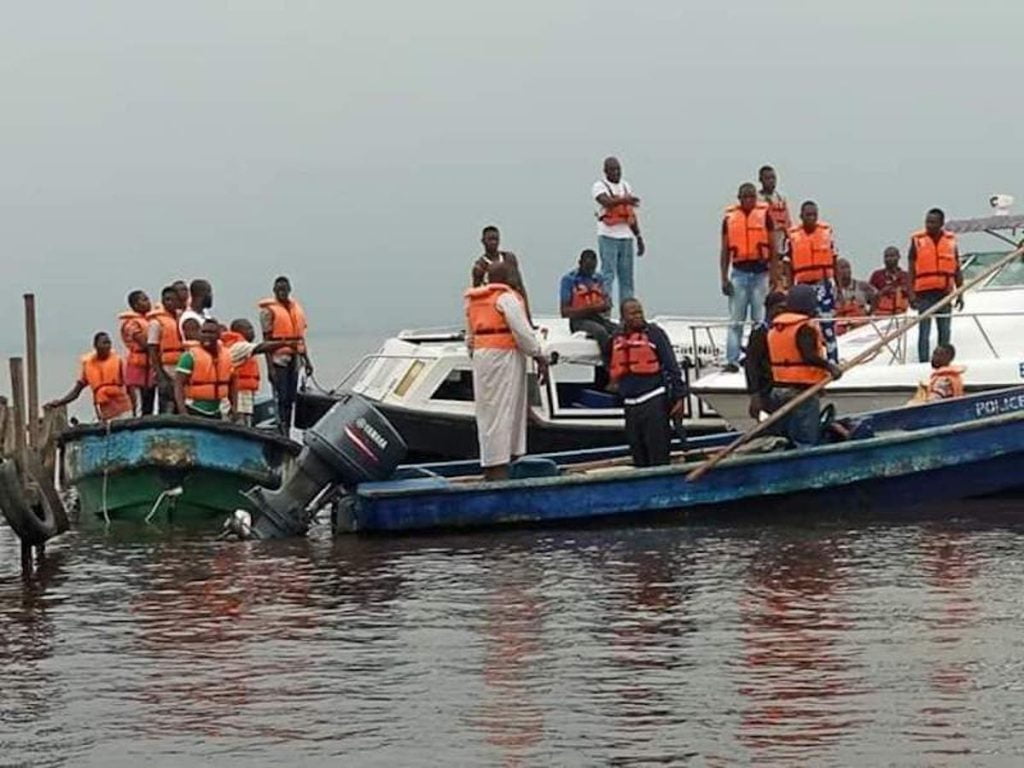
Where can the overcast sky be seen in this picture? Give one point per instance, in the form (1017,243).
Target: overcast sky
(360,147)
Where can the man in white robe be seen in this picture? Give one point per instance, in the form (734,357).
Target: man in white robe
(500,382)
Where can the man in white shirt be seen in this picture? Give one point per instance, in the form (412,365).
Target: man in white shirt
(198,310)
(617,228)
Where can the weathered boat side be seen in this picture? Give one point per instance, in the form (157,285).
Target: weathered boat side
(950,461)
(125,468)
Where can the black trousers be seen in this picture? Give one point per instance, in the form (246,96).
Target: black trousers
(648,432)
(600,329)
(284,379)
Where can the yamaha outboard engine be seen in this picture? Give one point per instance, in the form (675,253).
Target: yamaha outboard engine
(351,444)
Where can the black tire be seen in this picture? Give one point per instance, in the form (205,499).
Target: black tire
(35,522)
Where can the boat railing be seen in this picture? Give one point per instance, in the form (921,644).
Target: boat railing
(707,348)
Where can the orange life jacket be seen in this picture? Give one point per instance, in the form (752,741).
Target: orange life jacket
(893,303)
(633,354)
(289,323)
(811,255)
(624,213)
(170,337)
(934,264)
(486,323)
(211,377)
(133,324)
(106,380)
(746,235)
(587,294)
(946,382)
(247,374)
(778,210)
(788,366)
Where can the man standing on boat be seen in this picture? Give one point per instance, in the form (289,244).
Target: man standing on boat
(812,261)
(650,385)
(617,228)
(778,209)
(164,342)
(500,341)
(934,272)
(796,348)
(138,375)
(584,301)
(282,317)
(205,382)
(490,238)
(892,285)
(748,264)
(103,372)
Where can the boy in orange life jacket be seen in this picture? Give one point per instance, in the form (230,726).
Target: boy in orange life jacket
(164,342)
(585,302)
(103,372)
(204,381)
(138,376)
(241,344)
(946,379)
(650,385)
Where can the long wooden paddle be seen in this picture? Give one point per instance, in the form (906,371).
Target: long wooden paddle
(810,392)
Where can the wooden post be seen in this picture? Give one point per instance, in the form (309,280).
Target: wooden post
(18,406)
(32,414)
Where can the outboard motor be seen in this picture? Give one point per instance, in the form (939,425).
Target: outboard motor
(351,444)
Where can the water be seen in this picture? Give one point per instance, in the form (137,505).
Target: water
(846,643)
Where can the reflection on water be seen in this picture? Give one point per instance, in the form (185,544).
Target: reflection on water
(739,644)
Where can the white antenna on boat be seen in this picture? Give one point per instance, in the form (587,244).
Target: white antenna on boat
(1001,203)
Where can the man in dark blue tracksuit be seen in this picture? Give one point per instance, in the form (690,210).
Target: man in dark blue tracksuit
(650,385)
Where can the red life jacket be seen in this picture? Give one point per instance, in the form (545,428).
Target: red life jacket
(633,354)
(587,294)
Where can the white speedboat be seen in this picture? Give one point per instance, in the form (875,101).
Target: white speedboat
(987,335)
(423,383)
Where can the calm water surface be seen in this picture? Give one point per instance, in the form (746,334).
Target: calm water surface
(848,643)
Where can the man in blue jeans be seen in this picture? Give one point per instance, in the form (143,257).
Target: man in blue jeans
(934,272)
(749,264)
(617,228)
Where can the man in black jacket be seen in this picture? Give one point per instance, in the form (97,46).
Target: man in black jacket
(650,385)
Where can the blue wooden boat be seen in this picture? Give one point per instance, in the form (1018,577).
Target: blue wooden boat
(165,468)
(902,457)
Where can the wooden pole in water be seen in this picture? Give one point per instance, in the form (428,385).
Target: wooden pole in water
(867,354)
(18,406)
(32,414)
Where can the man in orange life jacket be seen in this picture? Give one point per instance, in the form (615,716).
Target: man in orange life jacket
(854,298)
(778,208)
(748,265)
(617,228)
(934,272)
(797,352)
(584,301)
(165,345)
(500,340)
(812,261)
(204,382)
(139,377)
(892,285)
(282,317)
(240,341)
(650,385)
(103,372)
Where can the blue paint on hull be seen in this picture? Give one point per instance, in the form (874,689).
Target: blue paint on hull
(921,462)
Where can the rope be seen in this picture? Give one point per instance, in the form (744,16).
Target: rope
(106,474)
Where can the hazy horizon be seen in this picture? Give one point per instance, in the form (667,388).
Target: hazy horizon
(361,149)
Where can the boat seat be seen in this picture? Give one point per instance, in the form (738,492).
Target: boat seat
(411,472)
(595,398)
(532,467)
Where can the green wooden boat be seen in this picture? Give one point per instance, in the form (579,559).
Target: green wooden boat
(178,469)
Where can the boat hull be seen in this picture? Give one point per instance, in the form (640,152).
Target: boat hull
(179,469)
(433,436)
(903,470)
